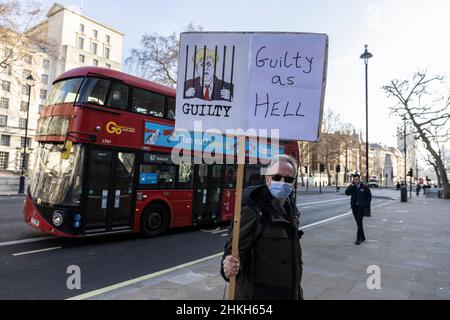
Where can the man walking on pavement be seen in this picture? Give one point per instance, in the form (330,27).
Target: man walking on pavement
(360,203)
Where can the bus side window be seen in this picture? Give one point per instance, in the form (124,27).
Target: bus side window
(148,103)
(185,176)
(167,177)
(118,98)
(171,108)
(94,91)
(230,176)
(157,176)
(149,176)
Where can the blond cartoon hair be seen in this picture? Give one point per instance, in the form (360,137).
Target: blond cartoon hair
(201,52)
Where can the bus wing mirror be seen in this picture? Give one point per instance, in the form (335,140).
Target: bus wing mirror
(67,150)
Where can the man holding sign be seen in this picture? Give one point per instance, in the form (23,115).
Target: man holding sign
(269,266)
(269,82)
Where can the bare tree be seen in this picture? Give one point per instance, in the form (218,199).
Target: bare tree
(304,148)
(157,58)
(334,142)
(428,159)
(419,103)
(16,36)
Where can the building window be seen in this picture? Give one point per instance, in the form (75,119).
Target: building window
(43,94)
(80,43)
(81,28)
(26,74)
(22,123)
(108,39)
(6,85)
(41,106)
(93,47)
(5,140)
(45,64)
(95,63)
(4,102)
(3,121)
(28,58)
(25,90)
(22,142)
(24,106)
(106,52)
(4,159)
(95,33)
(108,66)
(81,58)
(7,69)
(44,79)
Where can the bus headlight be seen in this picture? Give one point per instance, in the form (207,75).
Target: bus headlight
(58,218)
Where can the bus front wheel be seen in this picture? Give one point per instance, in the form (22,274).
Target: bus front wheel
(154,221)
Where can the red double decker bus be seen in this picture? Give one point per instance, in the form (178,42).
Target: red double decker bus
(104,162)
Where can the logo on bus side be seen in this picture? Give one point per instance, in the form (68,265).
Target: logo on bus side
(113,128)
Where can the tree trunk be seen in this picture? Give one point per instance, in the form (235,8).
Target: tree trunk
(438,175)
(437,157)
(302,180)
(444,179)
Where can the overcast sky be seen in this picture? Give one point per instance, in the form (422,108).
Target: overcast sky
(403,35)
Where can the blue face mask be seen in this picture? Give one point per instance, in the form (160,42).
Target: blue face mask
(280,190)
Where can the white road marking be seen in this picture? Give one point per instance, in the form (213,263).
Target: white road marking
(36,251)
(97,292)
(325,221)
(215,231)
(143,278)
(10,243)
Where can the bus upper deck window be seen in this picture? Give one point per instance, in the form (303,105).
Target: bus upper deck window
(148,103)
(94,91)
(171,108)
(118,98)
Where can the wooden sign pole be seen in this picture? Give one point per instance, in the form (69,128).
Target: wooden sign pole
(237,209)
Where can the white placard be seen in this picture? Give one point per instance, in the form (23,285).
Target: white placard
(259,81)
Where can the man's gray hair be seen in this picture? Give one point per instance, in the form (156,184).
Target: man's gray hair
(287,159)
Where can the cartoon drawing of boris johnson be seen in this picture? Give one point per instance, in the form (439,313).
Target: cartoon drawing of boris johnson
(206,85)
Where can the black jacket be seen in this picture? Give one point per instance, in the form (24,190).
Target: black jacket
(365,196)
(269,248)
(217,87)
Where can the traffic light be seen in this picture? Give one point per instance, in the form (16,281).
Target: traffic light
(410,173)
(338,168)
(322,168)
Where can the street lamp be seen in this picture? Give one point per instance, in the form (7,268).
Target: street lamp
(366,56)
(404,146)
(30,83)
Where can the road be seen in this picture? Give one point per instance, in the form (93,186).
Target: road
(38,270)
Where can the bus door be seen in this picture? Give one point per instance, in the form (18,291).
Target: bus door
(110,190)
(208,188)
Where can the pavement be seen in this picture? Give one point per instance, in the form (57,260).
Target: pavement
(408,245)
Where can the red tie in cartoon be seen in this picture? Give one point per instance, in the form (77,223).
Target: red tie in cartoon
(206,95)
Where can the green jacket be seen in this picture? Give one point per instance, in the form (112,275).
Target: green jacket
(269,248)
